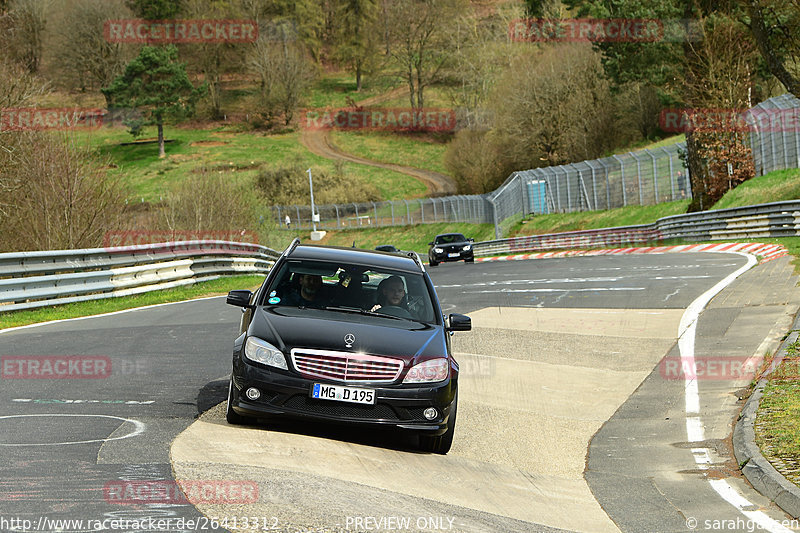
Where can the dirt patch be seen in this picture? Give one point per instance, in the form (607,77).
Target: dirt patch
(179,158)
(209,143)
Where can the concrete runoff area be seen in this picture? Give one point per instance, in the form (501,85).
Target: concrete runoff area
(535,385)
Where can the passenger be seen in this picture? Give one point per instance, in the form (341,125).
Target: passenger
(309,292)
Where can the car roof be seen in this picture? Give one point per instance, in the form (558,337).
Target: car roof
(356,256)
(450,235)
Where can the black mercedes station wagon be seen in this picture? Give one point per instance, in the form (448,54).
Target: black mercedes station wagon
(347,336)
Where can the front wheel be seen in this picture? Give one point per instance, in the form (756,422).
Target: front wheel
(433,263)
(230,415)
(470,260)
(442,443)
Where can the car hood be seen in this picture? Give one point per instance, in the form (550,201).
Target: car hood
(289,327)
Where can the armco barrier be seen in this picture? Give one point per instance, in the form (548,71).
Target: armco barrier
(36,279)
(777,219)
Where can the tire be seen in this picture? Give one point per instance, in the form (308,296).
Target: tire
(442,443)
(433,263)
(230,415)
(471,260)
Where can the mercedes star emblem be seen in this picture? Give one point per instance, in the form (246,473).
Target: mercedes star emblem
(349,339)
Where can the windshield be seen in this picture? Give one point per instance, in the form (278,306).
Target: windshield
(452,237)
(351,288)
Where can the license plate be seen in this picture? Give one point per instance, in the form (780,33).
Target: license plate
(453,255)
(343,394)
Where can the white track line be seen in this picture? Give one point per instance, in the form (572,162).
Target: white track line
(695,430)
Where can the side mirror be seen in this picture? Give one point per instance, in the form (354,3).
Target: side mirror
(430,243)
(459,322)
(471,240)
(239,298)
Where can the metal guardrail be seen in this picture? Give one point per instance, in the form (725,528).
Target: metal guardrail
(777,219)
(37,279)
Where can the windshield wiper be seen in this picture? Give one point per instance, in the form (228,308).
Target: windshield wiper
(360,311)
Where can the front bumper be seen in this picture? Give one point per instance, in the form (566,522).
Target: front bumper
(288,395)
(446,256)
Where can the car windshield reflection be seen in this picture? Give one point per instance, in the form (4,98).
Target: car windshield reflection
(352,289)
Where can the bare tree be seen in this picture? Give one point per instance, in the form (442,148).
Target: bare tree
(213,60)
(27,23)
(422,46)
(69,200)
(18,88)
(87,60)
(555,107)
(356,35)
(719,75)
(208,202)
(284,73)
(775,25)
(479,60)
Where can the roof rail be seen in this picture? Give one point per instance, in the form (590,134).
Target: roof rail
(292,245)
(415,256)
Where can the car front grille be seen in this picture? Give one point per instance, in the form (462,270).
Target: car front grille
(345,366)
(378,411)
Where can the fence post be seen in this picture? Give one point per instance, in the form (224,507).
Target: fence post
(422,211)
(375,210)
(622,174)
(638,176)
(655,175)
(608,184)
(671,173)
(297,210)
(338,220)
(582,186)
(497,234)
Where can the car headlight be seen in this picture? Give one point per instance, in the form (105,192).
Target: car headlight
(467,248)
(438,250)
(263,352)
(428,371)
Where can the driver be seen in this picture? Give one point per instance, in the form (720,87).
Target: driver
(391,294)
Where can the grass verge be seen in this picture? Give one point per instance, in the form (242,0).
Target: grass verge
(777,425)
(776,186)
(207,288)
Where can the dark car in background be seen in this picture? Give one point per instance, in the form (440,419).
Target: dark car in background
(450,247)
(314,345)
(387,248)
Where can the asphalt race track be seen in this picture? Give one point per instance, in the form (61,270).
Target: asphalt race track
(570,417)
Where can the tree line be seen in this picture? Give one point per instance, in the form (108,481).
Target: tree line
(519,104)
